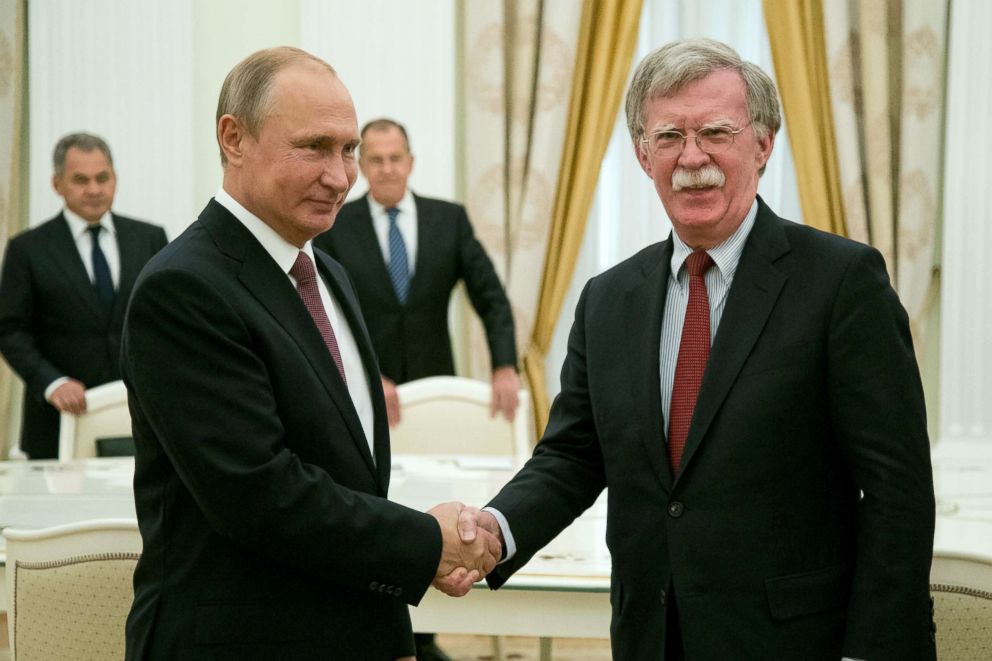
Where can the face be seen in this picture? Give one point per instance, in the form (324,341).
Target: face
(87,184)
(296,173)
(386,163)
(703,213)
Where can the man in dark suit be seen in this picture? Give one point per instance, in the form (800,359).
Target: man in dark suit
(747,390)
(263,462)
(405,254)
(64,289)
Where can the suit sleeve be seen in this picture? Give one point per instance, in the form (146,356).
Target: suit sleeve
(879,419)
(17,310)
(566,473)
(205,393)
(487,294)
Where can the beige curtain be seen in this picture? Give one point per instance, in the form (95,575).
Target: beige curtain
(607,40)
(795,32)
(516,77)
(887,73)
(12,45)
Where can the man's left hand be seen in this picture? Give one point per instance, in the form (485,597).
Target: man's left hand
(506,386)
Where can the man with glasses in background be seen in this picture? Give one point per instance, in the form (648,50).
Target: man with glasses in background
(747,389)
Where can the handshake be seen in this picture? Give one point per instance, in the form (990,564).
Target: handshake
(471,545)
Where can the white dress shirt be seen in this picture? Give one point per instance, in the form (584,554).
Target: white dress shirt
(78,228)
(284,254)
(108,244)
(406,220)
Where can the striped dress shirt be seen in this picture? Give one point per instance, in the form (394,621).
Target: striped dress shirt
(718,281)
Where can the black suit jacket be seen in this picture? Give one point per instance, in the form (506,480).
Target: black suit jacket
(51,322)
(266,529)
(811,396)
(412,340)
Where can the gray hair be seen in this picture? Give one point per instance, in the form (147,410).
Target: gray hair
(384,124)
(81,141)
(245,93)
(665,71)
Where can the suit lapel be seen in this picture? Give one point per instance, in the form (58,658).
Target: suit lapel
(644,305)
(366,242)
(65,256)
(349,306)
(757,285)
(131,261)
(272,288)
(426,222)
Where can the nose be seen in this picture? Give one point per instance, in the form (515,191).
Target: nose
(338,174)
(93,188)
(692,157)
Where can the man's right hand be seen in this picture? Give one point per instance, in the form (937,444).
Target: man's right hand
(70,397)
(392,402)
(466,556)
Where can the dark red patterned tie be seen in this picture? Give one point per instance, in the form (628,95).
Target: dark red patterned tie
(694,351)
(306,285)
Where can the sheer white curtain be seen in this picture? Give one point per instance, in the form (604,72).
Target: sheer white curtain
(627,214)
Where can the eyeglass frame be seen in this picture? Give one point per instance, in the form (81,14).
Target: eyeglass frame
(695,138)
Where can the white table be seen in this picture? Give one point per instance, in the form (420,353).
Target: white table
(570,578)
(562,592)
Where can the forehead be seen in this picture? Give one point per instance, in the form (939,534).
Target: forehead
(717,96)
(77,160)
(387,139)
(308,97)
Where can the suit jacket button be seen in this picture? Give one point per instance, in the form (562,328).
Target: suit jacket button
(675,509)
(397,592)
(374,585)
(382,587)
(389,590)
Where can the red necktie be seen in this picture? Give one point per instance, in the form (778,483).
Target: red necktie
(694,351)
(306,285)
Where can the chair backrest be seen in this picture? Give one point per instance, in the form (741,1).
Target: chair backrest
(961,587)
(106,415)
(69,589)
(450,415)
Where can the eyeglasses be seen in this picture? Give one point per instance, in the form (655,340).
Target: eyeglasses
(712,140)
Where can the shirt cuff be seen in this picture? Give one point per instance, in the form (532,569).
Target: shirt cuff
(53,385)
(510,547)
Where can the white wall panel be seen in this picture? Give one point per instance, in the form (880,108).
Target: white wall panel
(396,57)
(120,69)
(966,339)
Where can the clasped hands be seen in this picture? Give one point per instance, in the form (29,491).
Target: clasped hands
(471,545)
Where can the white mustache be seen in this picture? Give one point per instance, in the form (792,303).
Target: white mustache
(705,177)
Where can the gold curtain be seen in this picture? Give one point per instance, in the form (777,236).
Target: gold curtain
(607,39)
(12,44)
(795,31)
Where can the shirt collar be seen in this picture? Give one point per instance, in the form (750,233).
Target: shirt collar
(726,255)
(78,225)
(282,251)
(405,205)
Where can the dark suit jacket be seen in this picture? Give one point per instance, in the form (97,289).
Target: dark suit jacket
(412,340)
(266,529)
(51,322)
(811,395)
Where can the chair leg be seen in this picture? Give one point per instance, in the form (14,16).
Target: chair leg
(497,648)
(545,649)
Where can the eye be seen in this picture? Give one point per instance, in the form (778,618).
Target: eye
(667,137)
(716,134)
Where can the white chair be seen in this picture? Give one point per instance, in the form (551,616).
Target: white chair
(69,590)
(961,587)
(450,415)
(106,416)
